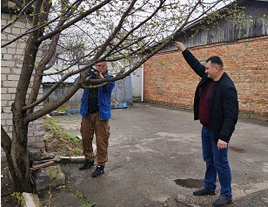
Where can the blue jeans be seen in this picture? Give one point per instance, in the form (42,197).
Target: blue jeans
(216,163)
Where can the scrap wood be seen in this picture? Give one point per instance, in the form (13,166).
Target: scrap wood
(55,159)
(36,167)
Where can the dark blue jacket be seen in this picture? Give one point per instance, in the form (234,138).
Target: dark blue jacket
(104,95)
(223,105)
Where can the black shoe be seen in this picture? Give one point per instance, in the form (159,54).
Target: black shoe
(87,164)
(222,200)
(99,170)
(204,191)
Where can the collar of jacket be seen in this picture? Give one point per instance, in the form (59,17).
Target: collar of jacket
(205,79)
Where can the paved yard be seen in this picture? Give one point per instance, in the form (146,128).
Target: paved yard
(155,159)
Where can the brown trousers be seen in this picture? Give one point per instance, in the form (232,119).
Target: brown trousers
(90,125)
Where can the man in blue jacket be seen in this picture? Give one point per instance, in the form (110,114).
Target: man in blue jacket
(96,112)
(216,106)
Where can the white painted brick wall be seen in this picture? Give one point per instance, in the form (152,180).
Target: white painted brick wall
(13,77)
(7,63)
(4,70)
(7,57)
(11,90)
(5,96)
(3,90)
(11,63)
(11,50)
(8,84)
(3,50)
(3,77)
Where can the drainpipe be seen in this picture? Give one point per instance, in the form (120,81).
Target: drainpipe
(142,81)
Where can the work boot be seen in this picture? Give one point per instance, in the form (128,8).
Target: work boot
(87,164)
(99,170)
(203,191)
(222,200)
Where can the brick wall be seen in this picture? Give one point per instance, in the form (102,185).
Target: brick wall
(11,63)
(168,79)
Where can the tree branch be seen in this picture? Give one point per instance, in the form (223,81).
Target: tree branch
(96,58)
(31,49)
(52,89)
(75,20)
(42,65)
(138,26)
(18,16)
(147,57)
(36,28)
(52,106)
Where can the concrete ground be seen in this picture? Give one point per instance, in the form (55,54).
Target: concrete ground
(155,159)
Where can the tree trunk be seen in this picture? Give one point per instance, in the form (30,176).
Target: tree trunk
(20,166)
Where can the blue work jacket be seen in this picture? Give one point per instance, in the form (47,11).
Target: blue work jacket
(104,95)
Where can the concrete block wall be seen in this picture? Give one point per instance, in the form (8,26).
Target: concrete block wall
(11,64)
(168,79)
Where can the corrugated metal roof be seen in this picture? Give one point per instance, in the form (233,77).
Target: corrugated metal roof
(56,77)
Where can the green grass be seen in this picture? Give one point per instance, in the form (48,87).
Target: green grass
(79,194)
(82,197)
(51,125)
(88,205)
(71,138)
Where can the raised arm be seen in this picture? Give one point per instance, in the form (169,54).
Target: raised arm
(191,60)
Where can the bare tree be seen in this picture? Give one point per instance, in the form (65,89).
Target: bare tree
(111,30)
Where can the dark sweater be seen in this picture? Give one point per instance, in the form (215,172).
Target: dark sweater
(223,105)
(93,100)
(204,104)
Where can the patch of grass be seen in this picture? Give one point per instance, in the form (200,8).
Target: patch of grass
(88,205)
(51,124)
(56,140)
(82,197)
(79,194)
(46,140)
(71,138)
(77,151)
(18,197)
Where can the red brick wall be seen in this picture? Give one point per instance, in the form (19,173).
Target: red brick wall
(168,79)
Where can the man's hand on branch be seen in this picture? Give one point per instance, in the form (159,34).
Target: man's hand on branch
(101,76)
(180,46)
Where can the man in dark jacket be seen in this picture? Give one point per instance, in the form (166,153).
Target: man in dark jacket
(96,112)
(216,106)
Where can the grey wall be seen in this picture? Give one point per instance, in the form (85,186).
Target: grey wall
(121,93)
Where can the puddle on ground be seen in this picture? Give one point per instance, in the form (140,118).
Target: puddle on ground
(190,183)
(239,150)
